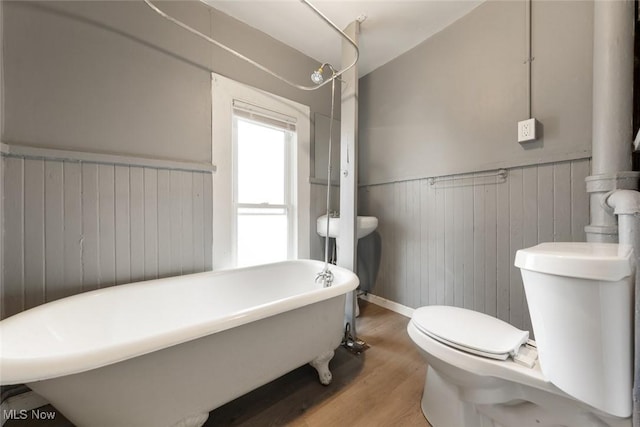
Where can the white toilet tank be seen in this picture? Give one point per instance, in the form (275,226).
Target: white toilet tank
(580,297)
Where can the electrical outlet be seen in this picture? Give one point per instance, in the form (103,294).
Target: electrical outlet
(527,130)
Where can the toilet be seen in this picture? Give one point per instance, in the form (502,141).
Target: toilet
(578,372)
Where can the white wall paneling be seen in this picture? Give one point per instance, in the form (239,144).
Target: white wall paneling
(34,237)
(164,223)
(74,226)
(13,298)
(454,242)
(122,219)
(106,226)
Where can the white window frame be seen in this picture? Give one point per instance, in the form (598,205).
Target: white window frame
(288,206)
(224,92)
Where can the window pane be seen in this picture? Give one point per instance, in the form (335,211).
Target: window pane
(261,163)
(261,238)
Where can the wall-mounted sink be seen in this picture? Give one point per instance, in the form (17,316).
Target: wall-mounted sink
(365,225)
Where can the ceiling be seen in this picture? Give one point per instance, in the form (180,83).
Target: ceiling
(390,27)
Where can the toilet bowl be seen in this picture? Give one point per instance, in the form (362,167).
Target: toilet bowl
(484,372)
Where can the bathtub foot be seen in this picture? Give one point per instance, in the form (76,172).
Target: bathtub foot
(321,364)
(196,420)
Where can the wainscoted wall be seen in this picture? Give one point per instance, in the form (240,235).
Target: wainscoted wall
(454,241)
(73,226)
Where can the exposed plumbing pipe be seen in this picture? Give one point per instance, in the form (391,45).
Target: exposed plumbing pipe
(626,205)
(623,202)
(612,85)
(612,112)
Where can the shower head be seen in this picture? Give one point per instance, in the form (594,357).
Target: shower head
(316,76)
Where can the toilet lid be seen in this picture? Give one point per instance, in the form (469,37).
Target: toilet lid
(470,331)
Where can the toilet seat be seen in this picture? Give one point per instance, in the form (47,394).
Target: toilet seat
(470,331)
(438,353)
(488,381)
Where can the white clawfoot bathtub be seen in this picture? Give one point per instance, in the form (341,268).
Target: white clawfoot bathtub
(166,352)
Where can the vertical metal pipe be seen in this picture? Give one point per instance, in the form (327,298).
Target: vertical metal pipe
(612,111)
(626,205)
(612,86)
(630,234)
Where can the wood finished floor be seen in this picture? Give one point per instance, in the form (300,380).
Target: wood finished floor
(380,387)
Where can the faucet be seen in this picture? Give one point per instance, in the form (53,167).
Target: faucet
(326,277)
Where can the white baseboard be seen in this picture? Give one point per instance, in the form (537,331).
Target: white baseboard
(391,305)
(19,403)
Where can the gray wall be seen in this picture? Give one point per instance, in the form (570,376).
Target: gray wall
(453,242)
(114,77)
(450,106)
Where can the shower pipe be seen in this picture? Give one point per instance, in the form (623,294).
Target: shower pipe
(335,75)
(326,276)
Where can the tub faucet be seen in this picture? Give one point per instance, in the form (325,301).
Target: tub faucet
(326,277)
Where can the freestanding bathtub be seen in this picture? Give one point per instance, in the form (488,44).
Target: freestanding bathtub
(166,352)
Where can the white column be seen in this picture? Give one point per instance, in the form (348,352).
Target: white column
(349,168)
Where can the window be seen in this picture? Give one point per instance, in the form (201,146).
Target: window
(261,187)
